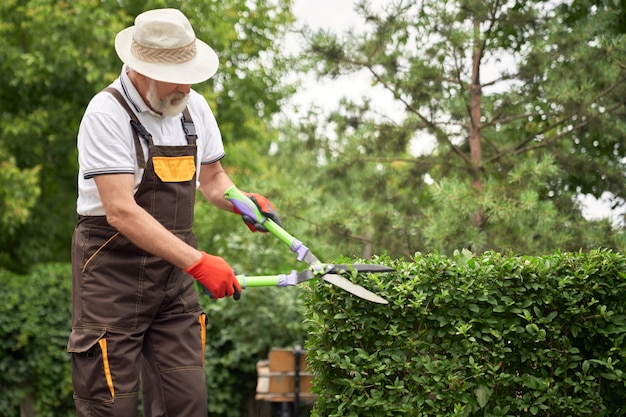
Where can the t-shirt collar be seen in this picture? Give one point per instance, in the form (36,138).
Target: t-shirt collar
(132,94)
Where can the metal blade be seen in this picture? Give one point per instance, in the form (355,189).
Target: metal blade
(309,258)
(355,289)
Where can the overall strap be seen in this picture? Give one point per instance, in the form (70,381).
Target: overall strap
(188,127)
(136,124)
(187,121)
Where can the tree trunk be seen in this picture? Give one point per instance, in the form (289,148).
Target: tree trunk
(475,122)
(367,247)
(27,408)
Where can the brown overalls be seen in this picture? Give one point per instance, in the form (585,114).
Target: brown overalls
(134,312)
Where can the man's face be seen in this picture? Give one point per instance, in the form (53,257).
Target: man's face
(167,98)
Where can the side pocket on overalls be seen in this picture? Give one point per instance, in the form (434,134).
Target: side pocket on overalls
(203,320)
(99,251)
(91,373)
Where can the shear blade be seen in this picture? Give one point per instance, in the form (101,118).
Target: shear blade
(355,289)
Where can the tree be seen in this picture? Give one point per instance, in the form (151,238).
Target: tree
(510,150)
(54,56)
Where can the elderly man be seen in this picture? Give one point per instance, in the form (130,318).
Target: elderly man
(145,145)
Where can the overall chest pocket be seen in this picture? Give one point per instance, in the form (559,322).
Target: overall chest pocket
(174,168)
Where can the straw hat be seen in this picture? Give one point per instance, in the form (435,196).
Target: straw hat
(162,45)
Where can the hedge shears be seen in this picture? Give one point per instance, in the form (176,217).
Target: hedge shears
(328,272)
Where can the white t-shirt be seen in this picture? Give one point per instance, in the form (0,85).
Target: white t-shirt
(106,144)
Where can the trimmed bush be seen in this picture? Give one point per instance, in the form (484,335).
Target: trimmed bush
(35,322)
(488,335)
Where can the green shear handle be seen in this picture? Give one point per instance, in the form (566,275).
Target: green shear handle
(247,207)
(328,272)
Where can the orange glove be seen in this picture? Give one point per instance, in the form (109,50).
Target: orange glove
(214,274)
(265,207)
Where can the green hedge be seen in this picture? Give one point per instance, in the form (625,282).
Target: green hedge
(487,335)
(35,321)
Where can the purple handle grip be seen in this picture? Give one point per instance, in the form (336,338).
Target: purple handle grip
(244,209)
(298,248)
(285,280)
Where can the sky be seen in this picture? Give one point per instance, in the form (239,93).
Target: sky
(339,16)
(335,14)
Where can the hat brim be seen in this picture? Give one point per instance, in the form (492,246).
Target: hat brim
(200,68)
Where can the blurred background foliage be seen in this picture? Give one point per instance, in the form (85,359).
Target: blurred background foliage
(464,161)
(459,158)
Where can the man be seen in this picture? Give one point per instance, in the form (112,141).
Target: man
(145,145)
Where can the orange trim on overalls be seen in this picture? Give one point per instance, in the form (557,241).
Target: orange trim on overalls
(100,248)
(107,368)
(202,320)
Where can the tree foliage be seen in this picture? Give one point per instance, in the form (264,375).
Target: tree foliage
(54,56)
(509,111)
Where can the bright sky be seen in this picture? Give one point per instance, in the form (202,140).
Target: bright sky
(326,14)
(339,16)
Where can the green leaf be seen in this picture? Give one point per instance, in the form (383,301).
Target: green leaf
(483,393)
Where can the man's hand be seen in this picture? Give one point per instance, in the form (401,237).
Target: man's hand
(214,274)
(265,207)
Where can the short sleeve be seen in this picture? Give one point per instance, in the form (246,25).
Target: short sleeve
(211,148)
(105,143)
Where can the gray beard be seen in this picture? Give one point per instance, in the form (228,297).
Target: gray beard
(172,105)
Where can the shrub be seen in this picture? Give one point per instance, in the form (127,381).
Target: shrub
(35,320)
(488,335)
